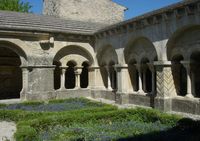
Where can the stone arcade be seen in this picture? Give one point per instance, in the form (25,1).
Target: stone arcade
(82,48)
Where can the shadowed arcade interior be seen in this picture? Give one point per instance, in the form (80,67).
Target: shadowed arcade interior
(10,74)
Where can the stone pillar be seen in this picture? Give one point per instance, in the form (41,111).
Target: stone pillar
(164,85)
(186,64)
(78,71)
(109,78)
(62,80)
(95,78)
(139,68)
(144,70)
(123,83)
(152,69)
(123,78)
(24,90)
(41,82)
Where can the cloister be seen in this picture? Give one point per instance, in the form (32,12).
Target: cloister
(151,60)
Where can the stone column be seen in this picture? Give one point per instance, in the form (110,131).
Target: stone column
(144,70)
(41,82)
(62,80)
(152,69)
(109,78)
(139,68)
(186,64)
(95,78)
(24,90)
(123,78)
(123,84)
(78,71)
(193,83)
(164,85)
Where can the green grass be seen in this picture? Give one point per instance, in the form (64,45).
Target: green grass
(81,119)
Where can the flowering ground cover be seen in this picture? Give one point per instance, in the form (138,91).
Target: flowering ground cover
(84,120)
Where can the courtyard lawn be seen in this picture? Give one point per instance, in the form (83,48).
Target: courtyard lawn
(84,120)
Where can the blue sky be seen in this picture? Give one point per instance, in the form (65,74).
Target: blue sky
(135,7)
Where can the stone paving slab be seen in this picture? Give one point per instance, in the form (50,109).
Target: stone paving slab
(7,130)
(10,101)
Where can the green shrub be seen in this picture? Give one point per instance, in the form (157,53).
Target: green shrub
(93,115)
(26,133)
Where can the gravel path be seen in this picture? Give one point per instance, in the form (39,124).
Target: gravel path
(7,130)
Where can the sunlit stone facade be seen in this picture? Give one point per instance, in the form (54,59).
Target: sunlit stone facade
(152,60)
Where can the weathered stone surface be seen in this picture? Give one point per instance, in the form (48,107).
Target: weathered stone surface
(99,11)
(151,60)
(142,100)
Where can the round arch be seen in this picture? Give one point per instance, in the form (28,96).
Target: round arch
(74,52)
(17,49)
(106,55)
(139,48)
(180,40)
(181,46)
(11,58)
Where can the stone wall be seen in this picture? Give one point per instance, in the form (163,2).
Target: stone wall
(100,11)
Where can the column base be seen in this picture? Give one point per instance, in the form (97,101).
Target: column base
(189,95)
(41,96)
(163,104)
(122,98)
(73,93)
(141,92)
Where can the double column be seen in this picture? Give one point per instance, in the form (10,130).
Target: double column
(187,66)
(109,77)
(153,76)
(140,72)
(78,71)
(62,80)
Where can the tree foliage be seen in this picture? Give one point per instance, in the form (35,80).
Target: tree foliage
(15,5)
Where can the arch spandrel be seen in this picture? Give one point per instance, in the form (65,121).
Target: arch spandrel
(185,41)
(139,48)
(106,55)
(76,53)
(18,47)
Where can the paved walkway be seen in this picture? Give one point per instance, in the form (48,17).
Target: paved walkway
(7,130)
(10,101)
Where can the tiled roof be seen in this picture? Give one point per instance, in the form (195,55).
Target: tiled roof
(152,13)
(31,22)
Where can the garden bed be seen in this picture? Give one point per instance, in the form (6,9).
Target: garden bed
(81,119)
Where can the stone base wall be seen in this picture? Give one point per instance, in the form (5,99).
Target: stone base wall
(63,94)
(175,104)
(186,105)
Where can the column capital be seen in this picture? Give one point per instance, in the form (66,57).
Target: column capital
(64,67)
(141,67)
(78,70)
(186,64)
(91,68)
(138,67)
(151,67)
(119,67)
(163,63)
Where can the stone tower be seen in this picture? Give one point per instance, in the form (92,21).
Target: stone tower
(99,11)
